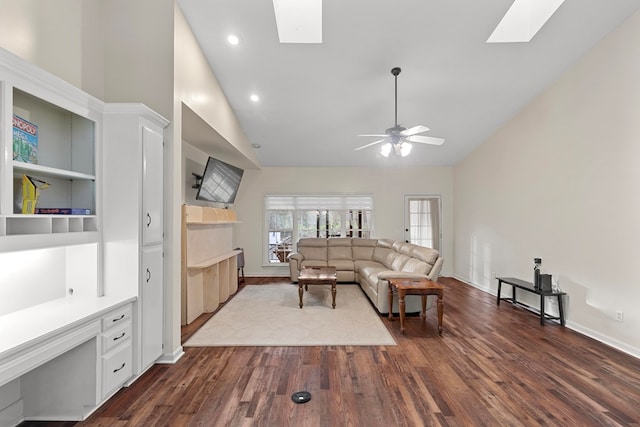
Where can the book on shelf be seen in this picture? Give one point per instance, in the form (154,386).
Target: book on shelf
(63,211)
(25,140)
(31,192)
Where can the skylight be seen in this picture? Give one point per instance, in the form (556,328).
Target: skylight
(299,21)
(523,20)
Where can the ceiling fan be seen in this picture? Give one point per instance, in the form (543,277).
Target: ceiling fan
(400,138)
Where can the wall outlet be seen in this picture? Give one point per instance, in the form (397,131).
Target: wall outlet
(619,316)
(493,274)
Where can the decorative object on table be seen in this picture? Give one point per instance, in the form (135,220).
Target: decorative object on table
(541,281)
(537,262)
(25,140)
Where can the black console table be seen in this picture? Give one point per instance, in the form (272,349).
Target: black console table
(528,286)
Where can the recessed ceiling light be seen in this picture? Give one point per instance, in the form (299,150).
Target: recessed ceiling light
(256,146)
(299,21)
(233,39)
(254,98)
(523,20)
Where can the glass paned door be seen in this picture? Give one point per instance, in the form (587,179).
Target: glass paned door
(422,221)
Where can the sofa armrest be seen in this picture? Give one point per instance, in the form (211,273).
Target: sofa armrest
(295,265)
(435,270)
(392,274)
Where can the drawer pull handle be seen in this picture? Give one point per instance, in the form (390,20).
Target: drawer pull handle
(121,336)
(148,220)
(148,275)
(118,319)
(120,368)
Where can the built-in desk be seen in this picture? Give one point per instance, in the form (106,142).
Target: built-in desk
(56,357)
(529,287)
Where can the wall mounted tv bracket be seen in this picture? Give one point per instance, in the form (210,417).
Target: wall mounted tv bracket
(198,180)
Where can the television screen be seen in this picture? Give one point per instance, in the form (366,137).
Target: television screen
(220,182)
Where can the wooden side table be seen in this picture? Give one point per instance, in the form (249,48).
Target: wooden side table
(421,287)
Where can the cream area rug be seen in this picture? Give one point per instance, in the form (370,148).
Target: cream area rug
(270,315)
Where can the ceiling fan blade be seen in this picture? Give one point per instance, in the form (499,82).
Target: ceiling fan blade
(377,136)
(414,130)
(370,144)
(426,140)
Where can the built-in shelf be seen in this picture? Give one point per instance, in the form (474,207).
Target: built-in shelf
(45,171)
(215,260)
(206,215)
(48,224)
(209,262)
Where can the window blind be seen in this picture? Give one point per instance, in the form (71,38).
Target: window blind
(328,202)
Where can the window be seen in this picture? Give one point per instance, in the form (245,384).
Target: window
(290,218)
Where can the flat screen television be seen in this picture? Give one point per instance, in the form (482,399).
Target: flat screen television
(220,182)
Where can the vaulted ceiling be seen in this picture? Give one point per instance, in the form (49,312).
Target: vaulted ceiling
(315,99)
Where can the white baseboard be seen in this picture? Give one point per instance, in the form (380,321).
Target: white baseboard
(618,345)
(170,359)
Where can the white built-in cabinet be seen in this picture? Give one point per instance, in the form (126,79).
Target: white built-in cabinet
(133,220)
(81,295)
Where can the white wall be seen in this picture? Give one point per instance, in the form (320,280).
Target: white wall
(63,37)
(388,185)
(561,181)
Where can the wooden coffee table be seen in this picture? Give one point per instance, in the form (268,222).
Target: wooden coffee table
(317,276)
(421,287)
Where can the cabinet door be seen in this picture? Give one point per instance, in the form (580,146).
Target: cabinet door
(152,177)
(151,305)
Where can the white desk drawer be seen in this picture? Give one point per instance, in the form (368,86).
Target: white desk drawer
(116,368)
(115,336)
(116,317)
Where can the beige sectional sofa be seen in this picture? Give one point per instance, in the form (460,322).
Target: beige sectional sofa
(369,262)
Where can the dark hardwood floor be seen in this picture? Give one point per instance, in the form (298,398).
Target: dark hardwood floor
(492,366)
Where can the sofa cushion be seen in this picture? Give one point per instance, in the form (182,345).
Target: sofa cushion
(369,271)
(339,241)
(312,241)
(385,243)
(339,249)
(358,241)
(392,274)
(341,264)
(398,261)
(397,246)
(383,256)
(414,265)
(427,255)
(363,248)
(313,249)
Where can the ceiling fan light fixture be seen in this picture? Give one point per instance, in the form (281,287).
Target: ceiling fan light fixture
(405,149)
(385,150)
